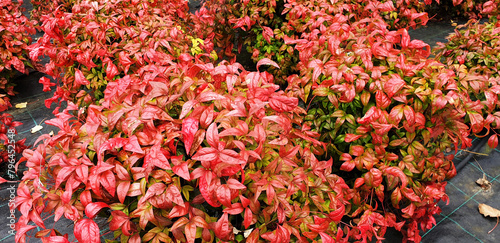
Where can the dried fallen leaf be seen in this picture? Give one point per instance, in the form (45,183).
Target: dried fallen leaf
(36,128)
(484,183)
(21,105)
(489,211)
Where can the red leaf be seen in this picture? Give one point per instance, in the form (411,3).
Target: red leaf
(178,211)
(93,208)
(234,209)
(222,227)
(410,194)
(111,71)
(231,157)
(326,238)
(122,190)
(46,84)
(398,173)
(153,190)
(317,66)
(206,154)
(393,85)
(86,198)
(107,180)
(87,231)
(493,141)
(223,195)
(189,128)
(349,137)
(155,157)
(359,182)
(213,136)
(174,194)
(397,114)
(382,100)
(190,232)
(80,79)
(372,114)
(267,33)
(283,103)
(235,184)
(410,115)
(206,190)
(408,211)
(200,222)
(182,170)
(186,108)
(55,239)
(396,197)
(267,61)
(477,121)
(179,223)
(209,96)
(248,218)
(338,213)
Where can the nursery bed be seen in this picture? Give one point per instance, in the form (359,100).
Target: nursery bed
(459,221)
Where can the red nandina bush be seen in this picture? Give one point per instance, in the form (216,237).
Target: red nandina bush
(10,147)
(180,148)
(471,9)
(263,26)
(98,42)
(384,110)
(473,53)
(190,151)
(15,29)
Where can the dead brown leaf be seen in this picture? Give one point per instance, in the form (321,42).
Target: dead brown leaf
(484,183)
(489,211)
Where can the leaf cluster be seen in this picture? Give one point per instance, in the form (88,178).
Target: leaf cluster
(15,30)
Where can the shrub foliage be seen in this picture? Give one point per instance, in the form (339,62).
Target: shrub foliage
(338,133)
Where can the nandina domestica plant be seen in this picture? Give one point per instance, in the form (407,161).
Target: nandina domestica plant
(100,41)
(181,148)
(202,153)
(9,146)
(384,109)
(471,9)
(473,53)
(15,30)
(263,26)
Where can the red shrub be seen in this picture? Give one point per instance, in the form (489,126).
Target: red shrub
(15,29)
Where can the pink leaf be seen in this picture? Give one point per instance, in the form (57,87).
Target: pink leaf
(93,208)
(267,61)
(87,231)
(283,103)
(393,85)
(182,170)
(351,137)
(206,154)
(189,128)
(46,84)
(80,79)
(213,136)
(267,33)
(235,184)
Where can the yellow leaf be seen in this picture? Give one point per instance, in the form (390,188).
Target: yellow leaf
(36,128)
(21,105)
